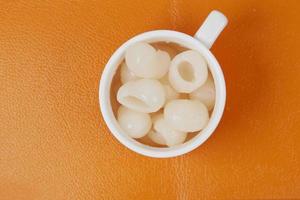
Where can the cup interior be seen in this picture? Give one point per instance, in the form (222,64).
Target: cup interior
(111,68)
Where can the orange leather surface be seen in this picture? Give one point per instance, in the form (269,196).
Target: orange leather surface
(54,143)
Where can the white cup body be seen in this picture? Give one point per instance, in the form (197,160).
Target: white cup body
(183,40)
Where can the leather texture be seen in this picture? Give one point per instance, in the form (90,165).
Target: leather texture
(54,143)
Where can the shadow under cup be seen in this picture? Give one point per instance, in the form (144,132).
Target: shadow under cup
(110,83)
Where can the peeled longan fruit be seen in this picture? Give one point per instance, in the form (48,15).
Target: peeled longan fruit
(188,71)
(145,62)
(186,115)
(135,124)
(143,95)
(164,134)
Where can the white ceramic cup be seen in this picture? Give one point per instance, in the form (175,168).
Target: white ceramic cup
(201,42)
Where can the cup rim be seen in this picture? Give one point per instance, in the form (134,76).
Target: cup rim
(111,68)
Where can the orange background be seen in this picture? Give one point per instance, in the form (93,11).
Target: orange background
(55,145)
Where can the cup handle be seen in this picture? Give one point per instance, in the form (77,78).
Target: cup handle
(211,28)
